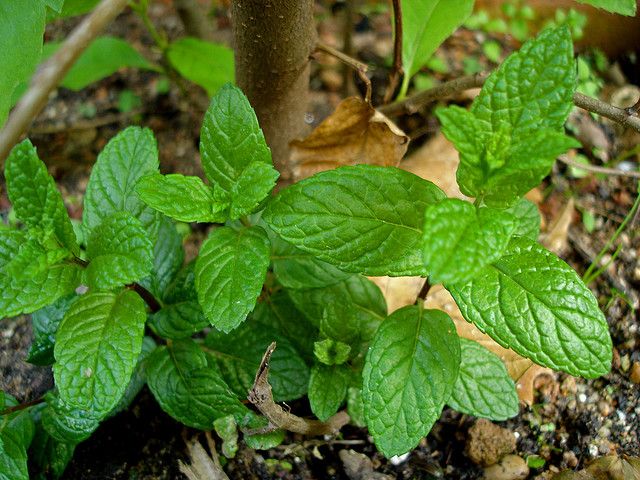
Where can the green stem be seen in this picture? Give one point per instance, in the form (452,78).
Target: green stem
(245,221)
(478,201)
(588,276)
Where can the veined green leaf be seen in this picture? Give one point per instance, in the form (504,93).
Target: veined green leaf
(278,312)
(45,324)
(340,320)
(263,441)
(168,258)
(31,294)
(128,157)
(362,293)
(34,196)
(189,390)
(364,219)
(178,320)
(528,219)
(231,138)
(425,25)
(534,303)
(20,45)
(328,389)
(511,135)
(186,199)
(254,184)
(623,7)
(13,456)
(65,424)
(19,422)
(103,57)
(47,453)
(97,346)
(295,268)
(230,272)
(238,355)
(483,387)
(408,376)
(120,252)
(33,259)
(459,240)
(331,352)
(208,64)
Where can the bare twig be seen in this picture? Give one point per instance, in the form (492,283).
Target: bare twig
(51,72)
(595,169)
(357,65)
(411,104)
(261,396)
(396,66)
(22,406)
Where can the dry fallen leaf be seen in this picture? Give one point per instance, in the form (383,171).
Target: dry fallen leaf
(555,239)
(203,466)
(354,134)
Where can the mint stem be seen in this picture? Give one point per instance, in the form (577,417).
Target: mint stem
(22,406)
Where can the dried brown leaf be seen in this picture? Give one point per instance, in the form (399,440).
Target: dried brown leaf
(555,239)
(354,134)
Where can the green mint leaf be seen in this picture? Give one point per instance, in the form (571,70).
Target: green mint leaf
(331,352)
(294,268)
(186,199)
(227,429)
(138,377)
(280,313)
(178,320)
(255,183)
(13,456)
(34,196)
(187,389)
(528,219)
(238,355)
(525,170)
(426,24)
(623,7)
(65,424)
(230,272)
(31,294)
(45,324)
(208,64)
(120,252)
(168,258)
(328,389)
(20,46)
(534,303)
(97,346)
(408,376)
(362,293)
(460,240)
(263,441)
(230,138)
(340,320)
(47,454)
(128,157)
(355,407)
(363,219)
(33,259)
(183,286)
(19,422)
(483,387)
(508,140)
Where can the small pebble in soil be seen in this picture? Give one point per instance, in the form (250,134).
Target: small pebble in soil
(512,467)
(487,442)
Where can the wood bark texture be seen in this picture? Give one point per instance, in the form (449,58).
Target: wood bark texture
(273,40)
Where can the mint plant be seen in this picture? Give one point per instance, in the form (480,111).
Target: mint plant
(291,269)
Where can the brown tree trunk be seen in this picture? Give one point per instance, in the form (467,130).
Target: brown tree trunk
(272,42)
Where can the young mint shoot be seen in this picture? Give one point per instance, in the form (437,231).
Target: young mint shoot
(291,268)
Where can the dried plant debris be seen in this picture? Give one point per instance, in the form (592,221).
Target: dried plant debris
(610,467)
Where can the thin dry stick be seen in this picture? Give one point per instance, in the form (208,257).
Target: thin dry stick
(261,396)
(411,104)
(595,169)
(50,73)
(396,66)
(357,65)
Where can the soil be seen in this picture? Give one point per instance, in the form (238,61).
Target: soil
(572,420)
